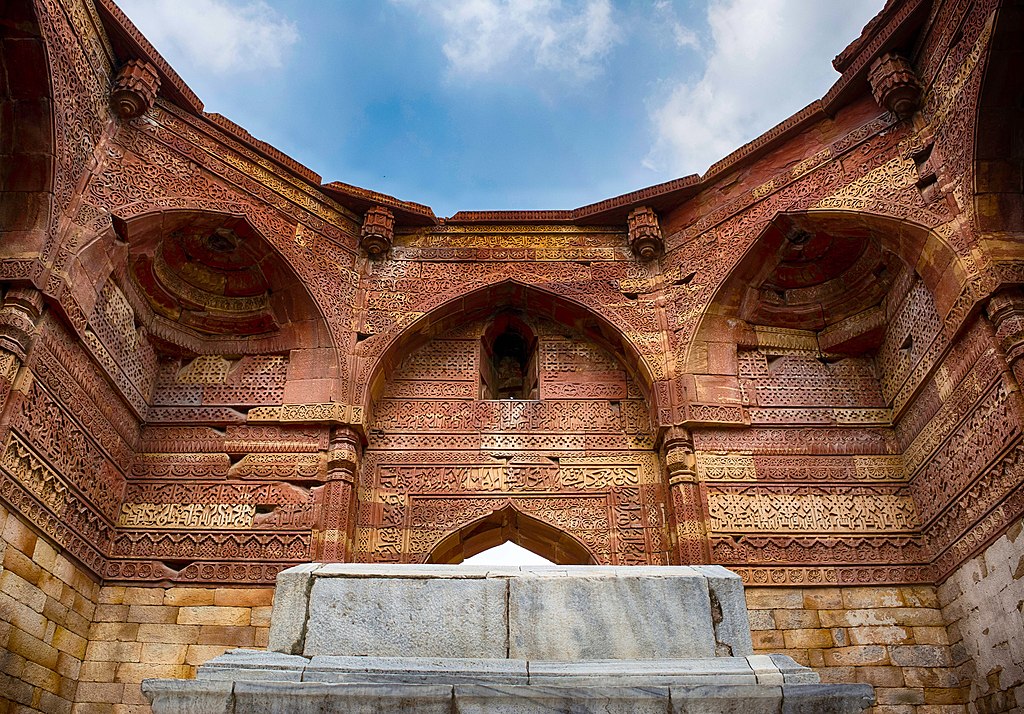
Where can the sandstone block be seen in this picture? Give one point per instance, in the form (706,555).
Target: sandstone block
(182,634)
(796,619)
(244,597)
(163,653)
(212,615)
(857,655)
(816,638)
(879,635)
(114,651)
(774,598)
(920,656)
(151,614)
(180,597)
(143,596)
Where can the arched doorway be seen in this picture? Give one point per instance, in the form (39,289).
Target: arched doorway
(559,454)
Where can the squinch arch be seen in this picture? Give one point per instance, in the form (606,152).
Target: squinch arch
(508,524)
(813,270)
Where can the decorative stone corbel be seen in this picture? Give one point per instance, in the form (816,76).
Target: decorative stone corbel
(895,84)
(134,89)
(378,233)
(645,234)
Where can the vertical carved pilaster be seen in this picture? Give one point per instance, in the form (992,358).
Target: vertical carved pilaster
(333,532)
(690,520)
(1006,311)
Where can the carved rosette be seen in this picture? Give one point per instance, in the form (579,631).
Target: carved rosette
(645,233)
(895,84)
(134,89)
(378,232)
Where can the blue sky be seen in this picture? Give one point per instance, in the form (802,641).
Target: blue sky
(504,104)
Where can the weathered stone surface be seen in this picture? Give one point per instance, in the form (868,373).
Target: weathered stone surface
(414,617)
(254,664)
(619,616)
(726,699)
(416,670)
(728,611)
(826,698)
(654,673)
(318,698)
(510,699)
(173,696)
(291,602)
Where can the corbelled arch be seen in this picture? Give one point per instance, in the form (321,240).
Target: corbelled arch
(483,301)
(509,524)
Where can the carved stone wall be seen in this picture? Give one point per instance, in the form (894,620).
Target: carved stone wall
(203,380)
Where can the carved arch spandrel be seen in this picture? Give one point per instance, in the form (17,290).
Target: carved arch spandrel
(382,354)
(510,524)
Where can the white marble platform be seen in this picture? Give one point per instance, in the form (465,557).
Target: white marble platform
(454,639)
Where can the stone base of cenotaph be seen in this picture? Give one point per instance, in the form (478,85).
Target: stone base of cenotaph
(446,639)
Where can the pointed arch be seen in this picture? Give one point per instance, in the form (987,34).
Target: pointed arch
(27,140)
(999,128)
(510,524)
(485,301)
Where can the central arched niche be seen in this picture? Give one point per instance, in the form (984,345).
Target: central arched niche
(558,455)
(509,525)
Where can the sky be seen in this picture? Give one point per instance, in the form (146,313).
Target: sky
(504,104)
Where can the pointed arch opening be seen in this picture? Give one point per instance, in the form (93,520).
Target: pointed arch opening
(509,525)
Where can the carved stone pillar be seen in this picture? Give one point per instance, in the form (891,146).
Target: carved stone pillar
(1006,311)
(333,531)
(378,232)
(134,89)
(19,314)
(690,521)
(895,84)
(645,233)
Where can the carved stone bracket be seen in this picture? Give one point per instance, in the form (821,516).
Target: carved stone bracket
(895,84)
(134,89)
(645,233)
(344,454)
(378,233)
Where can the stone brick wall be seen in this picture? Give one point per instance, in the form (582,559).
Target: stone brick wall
(46,605)
(983,602)
(893,638)
(142,632)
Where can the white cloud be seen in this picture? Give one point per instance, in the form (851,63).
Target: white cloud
(483,37)
(222,36)
(766,60)
(683,36)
